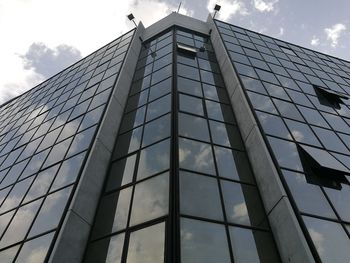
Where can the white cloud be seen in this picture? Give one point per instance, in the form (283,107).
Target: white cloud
(318,239)
(48,61)
(281,31)
(263,6)
(83,24)
(229,8)
(315,41)
(240,212)
(334,33)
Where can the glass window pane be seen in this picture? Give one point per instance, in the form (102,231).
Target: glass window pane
(35,250)
(51,212)
(57,152)
(187,71)
(252,246)
(225,134)
(4,220)
(68,171)
(325,234)
(193,127)
(253,85)
(16,195)
(147,245)
(121,173)
(108,250)
(112,214)
(242,204)
(13,174)
(133,119)
(154,159)
(308,197)
(20,224)
(330,140)
(151,199)
(158,107)
(302,133)
(9,254)
(160,89)
(161,74)
(41,183)
(288,110)
(199,196)
(189,86)
(313,117)
(273,125)
(203,242)
(156,130)
(261,102)
(196,156)
(81,141)
(128,143)
(191,104)
(340,199)
(225,161)
(286,153)
(219,111)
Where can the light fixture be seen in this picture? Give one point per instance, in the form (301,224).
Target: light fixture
(131,18)
(216,9)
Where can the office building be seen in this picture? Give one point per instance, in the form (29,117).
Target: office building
(187,141)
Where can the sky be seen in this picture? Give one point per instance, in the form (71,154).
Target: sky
(39,38)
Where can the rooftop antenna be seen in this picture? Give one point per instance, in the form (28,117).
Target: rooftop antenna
(217,9)
(178,9)
(131,18)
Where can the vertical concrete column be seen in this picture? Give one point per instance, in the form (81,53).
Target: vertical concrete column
(285,227)
(73,236)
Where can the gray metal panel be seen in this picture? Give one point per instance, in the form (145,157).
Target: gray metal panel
(288,235)
(178,20)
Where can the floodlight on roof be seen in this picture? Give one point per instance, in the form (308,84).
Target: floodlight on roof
(216,9)
(131,18)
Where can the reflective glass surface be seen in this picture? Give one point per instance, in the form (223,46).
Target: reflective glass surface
(307,131)
(45,135)
(188,168)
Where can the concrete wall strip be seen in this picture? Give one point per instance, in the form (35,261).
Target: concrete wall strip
(73,237)
(289,237)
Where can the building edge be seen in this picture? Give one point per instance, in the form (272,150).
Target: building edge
(74,233)
(284,224)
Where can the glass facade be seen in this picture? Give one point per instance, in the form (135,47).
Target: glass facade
(299,98)
(45,136)
(180,187)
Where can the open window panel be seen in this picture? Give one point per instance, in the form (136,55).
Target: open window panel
(322,168)
(329,97)
(188,50)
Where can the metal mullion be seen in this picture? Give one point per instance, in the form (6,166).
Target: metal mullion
(173,234)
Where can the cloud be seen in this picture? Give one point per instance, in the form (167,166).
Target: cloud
(240,212)
(318,239)
(315,41)
(333,33)
(281,31)
(48,61)
(96,26)
(150,11)
(229,8)
(263,6)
